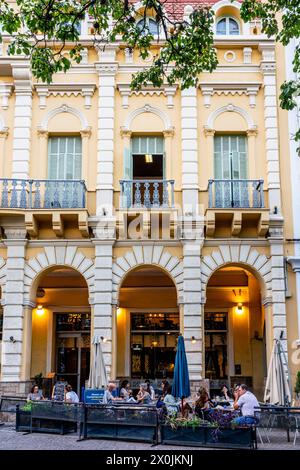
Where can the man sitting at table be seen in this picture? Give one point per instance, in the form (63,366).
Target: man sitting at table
(246,402)
(108,397)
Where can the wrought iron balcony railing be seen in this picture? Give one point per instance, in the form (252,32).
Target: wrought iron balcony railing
(42,194)
(235,194)
(147,194)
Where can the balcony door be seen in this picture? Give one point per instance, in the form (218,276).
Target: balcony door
(64,163)
(230,164)
(144,165)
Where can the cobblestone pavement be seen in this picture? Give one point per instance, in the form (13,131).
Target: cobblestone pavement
(12,440)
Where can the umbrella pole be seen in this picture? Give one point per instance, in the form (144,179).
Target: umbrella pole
(182,407)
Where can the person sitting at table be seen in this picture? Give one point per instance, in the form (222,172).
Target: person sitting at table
(150,389)
(170,402)
(35,394)
(124,392)
(246,402)
(203,404)
(108,397)
(143,396)
(130,398)
(165,385)
(225,393)
(71,396)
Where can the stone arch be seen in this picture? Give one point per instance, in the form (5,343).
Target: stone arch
(148,109)
(225,3)
(230,108)
(147,255)
(54,256)
(238,255)
(64,109)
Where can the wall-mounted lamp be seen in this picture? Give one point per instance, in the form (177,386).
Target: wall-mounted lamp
(148,158)
(193,339)
(239,308)
(40,310)
(12,339)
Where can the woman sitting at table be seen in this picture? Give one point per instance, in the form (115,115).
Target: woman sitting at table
(35,394)
(170,402)
(203,404)
(125,387)
(225,393)
(143,396)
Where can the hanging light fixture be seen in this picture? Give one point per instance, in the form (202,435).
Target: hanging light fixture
(148,158)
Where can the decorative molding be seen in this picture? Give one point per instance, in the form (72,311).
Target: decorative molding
(4,132)
(168,91)
(141,255)
(294,261)
(230,56)
(64,89)
(250,89)
(58,256)
(86,133)
(232,109)
(125,133)
(268,62)
(6,90)
(128,55)
(106,69)
(63,109)
(247,52)
(208,131)
(106,52)
(148,109)
(22,78)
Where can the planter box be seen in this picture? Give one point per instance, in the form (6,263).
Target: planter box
(120,432)
(185,436)
(45,418)
(205,436)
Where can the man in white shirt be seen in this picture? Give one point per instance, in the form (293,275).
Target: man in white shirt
(71,396)
(247,403)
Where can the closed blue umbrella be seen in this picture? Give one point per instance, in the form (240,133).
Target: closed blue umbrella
(181,382)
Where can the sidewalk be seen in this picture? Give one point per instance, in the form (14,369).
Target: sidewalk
(12,440)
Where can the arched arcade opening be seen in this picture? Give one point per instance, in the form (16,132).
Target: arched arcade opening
(148,324)
(61,326)
(234,330)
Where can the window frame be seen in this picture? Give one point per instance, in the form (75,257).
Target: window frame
(227,19)
(51,154)
(147,20)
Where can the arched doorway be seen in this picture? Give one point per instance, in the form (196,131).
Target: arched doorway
(147,324)
(61,326)
(234,329)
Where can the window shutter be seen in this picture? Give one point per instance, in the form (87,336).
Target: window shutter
(127,172)
(64,158)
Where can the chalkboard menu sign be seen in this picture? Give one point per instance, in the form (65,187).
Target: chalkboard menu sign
(93,396)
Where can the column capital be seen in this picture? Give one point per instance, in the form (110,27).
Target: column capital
(169,132)
(86,133)
(108,69)
(42,132)
(15,236)
(125,132)
(294,261)
(208,131)
(252,132)
(4,132)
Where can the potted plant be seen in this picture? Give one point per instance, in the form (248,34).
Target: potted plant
(183,431)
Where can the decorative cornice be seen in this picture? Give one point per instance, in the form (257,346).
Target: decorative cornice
(294,261)
(65,89)
(166,90)
(211,88)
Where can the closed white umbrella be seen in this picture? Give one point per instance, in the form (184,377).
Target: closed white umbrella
(278,391)
(98,376)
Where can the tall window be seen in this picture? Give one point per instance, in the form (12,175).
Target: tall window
(230,164)
(227,26)
(148,25)
(230,159)
(64,158)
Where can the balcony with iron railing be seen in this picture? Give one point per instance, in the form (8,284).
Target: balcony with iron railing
(55,201)
(42,194)
(147,194)
(236,207)
(238,193)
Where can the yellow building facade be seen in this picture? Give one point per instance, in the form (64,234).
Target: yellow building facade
(131,216)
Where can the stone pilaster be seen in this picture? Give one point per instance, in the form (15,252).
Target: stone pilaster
(268,69)
(105,147)
(102,307)
(189,144)
(192,308)
(22,121)
(14,320)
